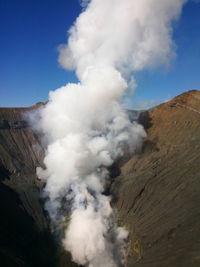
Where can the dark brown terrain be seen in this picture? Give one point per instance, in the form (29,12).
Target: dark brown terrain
(157,195)
(25,238)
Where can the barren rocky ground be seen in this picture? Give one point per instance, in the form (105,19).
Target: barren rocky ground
(157,194)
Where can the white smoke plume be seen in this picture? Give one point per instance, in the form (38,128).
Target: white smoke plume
(85,125)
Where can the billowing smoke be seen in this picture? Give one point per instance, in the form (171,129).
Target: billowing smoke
(85,125)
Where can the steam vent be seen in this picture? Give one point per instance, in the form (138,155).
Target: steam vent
(155,193)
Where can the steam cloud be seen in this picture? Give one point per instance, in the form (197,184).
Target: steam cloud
(85,125)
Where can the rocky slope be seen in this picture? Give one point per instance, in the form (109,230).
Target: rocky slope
(157,194)
(20,153)
(25,239)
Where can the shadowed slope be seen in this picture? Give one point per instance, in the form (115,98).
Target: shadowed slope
(25,239)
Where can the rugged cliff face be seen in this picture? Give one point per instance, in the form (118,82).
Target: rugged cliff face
(20,153)
(25,239)
(157,194)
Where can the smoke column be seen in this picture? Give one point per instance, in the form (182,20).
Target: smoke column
(85,125)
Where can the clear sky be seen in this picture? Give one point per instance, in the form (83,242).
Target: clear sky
(32,30)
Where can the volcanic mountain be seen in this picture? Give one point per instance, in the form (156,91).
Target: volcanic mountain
(156,194)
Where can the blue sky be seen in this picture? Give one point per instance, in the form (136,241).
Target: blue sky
(32,30)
